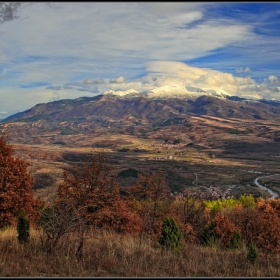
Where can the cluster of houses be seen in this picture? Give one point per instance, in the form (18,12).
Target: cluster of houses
(161,144)
(208,193)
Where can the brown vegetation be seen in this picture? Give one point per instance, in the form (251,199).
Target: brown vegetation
(15,187)
(95,194)
(91,230)
(149,197)
(107,254)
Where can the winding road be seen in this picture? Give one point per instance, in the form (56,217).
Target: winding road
(273,193)
(195,180)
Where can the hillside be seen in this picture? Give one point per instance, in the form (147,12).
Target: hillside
(178,135)
(106,109)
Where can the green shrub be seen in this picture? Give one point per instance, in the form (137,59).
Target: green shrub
(124,150)
(59,143)
(248,131)
(23,229)
(129,173)
(234,131)
(236,241)
(103,145)
(178,141)
(208,237)
(252,255)
(189,144)
(45,214)
(171,236)
(66,131)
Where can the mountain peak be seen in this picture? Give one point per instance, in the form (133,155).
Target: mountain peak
(151,106)
(169,91)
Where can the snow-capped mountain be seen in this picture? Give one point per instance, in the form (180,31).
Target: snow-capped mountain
(170,91)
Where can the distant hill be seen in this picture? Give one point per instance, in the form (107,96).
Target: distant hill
(107,109)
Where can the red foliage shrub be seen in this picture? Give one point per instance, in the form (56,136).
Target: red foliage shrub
(189,215)
(120,219)
(244,219)
(16,192)
(225,229)
(260,225)
(268,228)
(95,193)
(150,197)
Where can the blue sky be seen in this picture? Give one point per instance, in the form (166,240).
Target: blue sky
(57,50)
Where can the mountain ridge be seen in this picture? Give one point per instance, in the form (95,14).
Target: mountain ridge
(114,107)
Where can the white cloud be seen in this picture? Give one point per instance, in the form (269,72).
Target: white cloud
(4,113)
(75,47)
(165,8)
(175,78)
(56,96)
(164,77)
(273,79)
(93,81)
(243,70)
(178,69)
(107,32)
(118,80)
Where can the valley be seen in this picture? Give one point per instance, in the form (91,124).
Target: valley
(226,153)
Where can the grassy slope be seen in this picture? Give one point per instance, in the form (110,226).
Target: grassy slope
(109,255)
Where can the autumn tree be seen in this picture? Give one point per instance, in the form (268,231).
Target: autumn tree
(57,221)
(189,214)
(92,189)
(225,229)
(150,195)
(267,231)
(16,192)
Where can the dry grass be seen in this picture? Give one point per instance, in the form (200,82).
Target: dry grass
(109,255)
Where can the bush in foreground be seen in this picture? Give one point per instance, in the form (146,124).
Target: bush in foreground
(171,237)
(23,229)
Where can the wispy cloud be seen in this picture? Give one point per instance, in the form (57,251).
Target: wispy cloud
(90,81)
(243,70)
(56,96)
(118,80)
(93,47)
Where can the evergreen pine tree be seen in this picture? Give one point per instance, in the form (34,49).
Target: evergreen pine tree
(171,237)
(236,240)
(252,255)
(23,229)
(208,237)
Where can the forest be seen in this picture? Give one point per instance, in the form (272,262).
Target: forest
(94,228)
